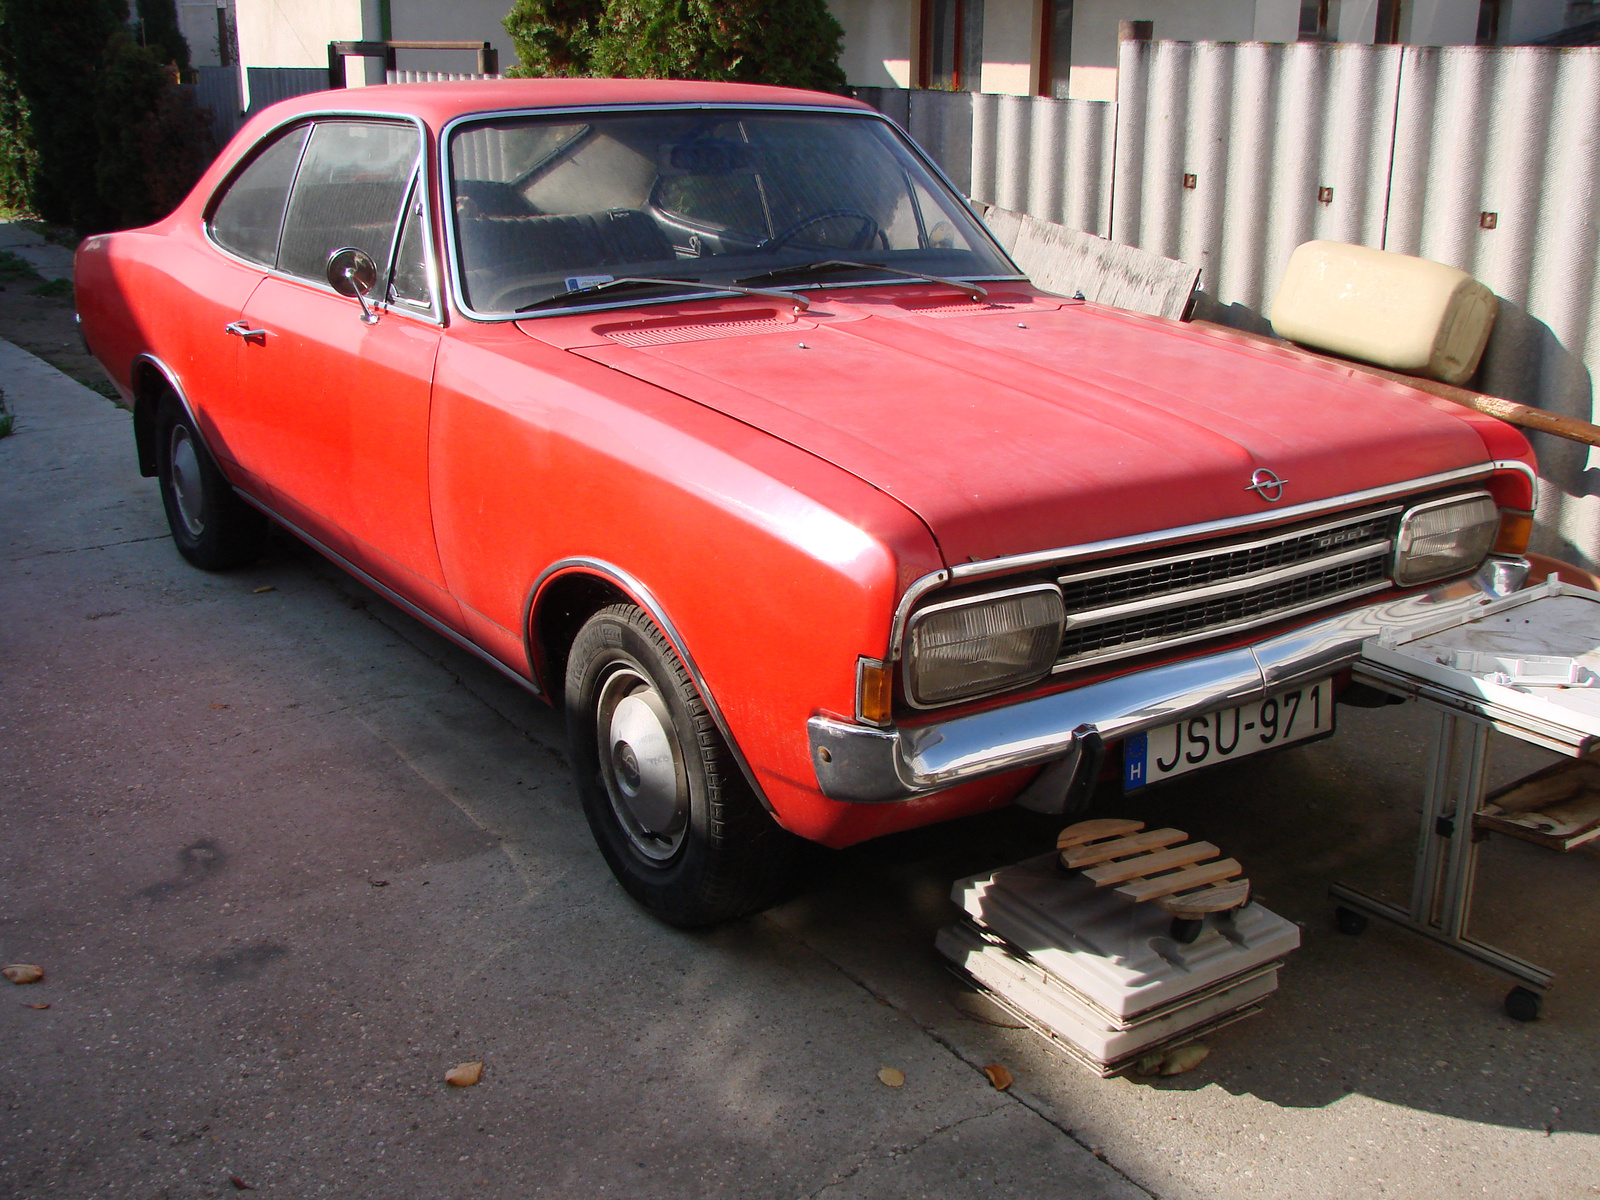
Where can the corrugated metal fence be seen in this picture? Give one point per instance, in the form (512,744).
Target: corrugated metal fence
(1229,155)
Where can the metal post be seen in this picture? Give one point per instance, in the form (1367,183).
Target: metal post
(335,65)
(488,60)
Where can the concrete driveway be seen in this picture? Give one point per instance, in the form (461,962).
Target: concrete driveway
(286,857)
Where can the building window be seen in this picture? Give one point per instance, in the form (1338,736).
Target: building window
(1055,48)
(1388,30)
(1319,20)
(952,44)
(1488,22)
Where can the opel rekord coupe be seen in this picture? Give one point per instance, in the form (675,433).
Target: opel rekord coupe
(714,415)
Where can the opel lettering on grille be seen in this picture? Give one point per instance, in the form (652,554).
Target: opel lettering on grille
(1267,485)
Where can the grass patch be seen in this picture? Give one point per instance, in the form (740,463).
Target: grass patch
(57,289)
(13,268)
(7,421)
(104,387)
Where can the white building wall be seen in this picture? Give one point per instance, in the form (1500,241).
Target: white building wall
(1010,47)
(296,33)
(879,38)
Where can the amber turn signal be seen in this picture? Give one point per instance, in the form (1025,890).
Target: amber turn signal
(874,691)
(1516,527)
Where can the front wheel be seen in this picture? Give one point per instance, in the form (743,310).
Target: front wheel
(672,813)
(211,526)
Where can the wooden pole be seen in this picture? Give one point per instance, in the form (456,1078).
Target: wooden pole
(1571,428)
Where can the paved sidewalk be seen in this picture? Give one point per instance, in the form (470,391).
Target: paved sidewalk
(287,857)
(50,260)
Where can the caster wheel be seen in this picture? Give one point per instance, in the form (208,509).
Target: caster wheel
(1348,920)
(1186,931)
(1523,1004)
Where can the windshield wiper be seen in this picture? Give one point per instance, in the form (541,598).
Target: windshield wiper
(633,281)
(961,285)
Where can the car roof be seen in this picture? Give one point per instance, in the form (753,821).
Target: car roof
(439,103)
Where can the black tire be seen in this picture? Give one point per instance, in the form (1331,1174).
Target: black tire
(211,526)
(670,809)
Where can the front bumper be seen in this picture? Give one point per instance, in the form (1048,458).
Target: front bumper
(868,765)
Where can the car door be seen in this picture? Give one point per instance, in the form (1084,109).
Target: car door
(243,222)
(342,389)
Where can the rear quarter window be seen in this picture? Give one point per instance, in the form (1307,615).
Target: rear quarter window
(247,217)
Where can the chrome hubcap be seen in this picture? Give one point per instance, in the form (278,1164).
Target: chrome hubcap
(642,764)
(186,489)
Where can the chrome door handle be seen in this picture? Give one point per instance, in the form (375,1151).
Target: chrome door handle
(242,329)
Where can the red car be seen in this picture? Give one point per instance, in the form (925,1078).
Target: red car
(713,414)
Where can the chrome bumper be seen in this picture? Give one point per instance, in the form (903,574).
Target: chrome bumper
(867,765)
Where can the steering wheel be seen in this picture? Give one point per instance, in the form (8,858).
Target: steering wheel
(869,229)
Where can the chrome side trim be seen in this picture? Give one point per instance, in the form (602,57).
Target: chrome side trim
(642,596)
(390,594)
(855,763)
(1245,583)
(458,292)
(1165,537)
(1511,464)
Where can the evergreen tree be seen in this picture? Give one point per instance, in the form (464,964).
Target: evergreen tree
(553,37)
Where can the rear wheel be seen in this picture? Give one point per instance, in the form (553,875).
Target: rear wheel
(673,815)
(211,526)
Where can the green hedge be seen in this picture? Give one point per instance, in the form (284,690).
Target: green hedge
(792,43)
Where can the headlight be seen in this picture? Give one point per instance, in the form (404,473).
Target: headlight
(968,648)
(1444,537)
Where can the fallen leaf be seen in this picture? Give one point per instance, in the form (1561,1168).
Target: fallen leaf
(241,1184)
(258,591)
(219,706)
(464,1075)
(1150,1064)
(22,973)
(1184,1058)
(378,882)
(999,1076)
(891,1077)
(46,1004)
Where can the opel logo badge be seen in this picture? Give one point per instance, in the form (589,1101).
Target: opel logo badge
(1267,485)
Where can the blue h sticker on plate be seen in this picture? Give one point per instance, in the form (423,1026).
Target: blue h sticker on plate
(1134,750)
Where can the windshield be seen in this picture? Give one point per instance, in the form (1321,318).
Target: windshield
(546,205)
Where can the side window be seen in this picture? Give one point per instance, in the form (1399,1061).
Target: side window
(409,283)
(247,218)
(348,192)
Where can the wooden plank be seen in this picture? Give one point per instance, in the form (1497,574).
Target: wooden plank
(1149,864)
(1225,898)
(1099,852)
(1165,885)
(1091,831)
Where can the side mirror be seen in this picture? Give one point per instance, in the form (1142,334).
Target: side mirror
(352,272)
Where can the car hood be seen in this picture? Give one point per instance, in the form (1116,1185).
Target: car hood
(1031,423)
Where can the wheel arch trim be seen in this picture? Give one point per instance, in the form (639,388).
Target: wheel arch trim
(144,410)
(636,591)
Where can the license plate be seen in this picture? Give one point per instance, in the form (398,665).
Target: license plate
(1229,733)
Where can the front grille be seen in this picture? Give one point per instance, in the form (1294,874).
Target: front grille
(1169,599)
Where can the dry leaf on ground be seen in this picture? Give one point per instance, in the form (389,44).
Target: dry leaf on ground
(999,1076)
(23,973)
(258,591)
(464,1075)
(1184,1058)
(891,1077)
(240,1184)
(46,1004)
